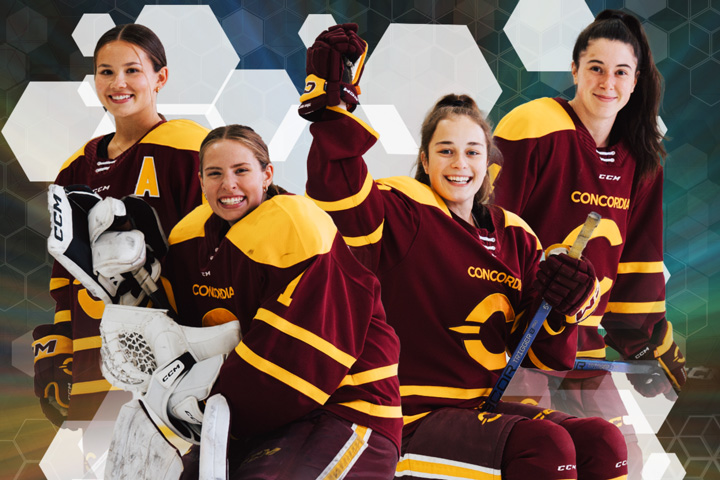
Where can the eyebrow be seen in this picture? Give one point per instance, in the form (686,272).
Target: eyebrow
(603,63)
(124,65)
(212,167)
(448,142)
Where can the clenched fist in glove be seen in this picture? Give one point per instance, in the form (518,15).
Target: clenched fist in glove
(569,286)
(52,349)
(329,70)
(673,364)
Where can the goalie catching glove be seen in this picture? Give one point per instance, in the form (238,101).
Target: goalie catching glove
(329,68)
(568,285)
(145,351)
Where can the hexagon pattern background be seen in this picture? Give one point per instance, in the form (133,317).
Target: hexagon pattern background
(243,62)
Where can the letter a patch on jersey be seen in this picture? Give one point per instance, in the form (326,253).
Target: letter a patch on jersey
(147,180)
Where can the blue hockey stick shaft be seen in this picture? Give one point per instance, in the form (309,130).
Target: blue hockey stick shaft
(592,221)
(650,366)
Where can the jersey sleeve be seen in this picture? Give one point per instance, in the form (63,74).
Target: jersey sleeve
(635,314)
(340,184)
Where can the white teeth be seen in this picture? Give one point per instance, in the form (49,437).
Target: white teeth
(231,200)
(120,97)
(457,179)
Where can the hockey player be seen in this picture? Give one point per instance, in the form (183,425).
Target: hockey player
(146,156)
(457,279)
(312,386)
(601,150)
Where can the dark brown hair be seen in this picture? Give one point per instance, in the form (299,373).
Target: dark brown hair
(138,35)
(250,139)
(637,122)
(453,105)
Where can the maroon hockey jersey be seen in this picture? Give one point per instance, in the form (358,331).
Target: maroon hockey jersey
(459,297)
(162,168)
(313,328)
(553,176)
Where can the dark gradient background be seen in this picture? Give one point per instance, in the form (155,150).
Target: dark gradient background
(36,45)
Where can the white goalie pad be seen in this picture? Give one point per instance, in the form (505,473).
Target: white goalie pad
(214,439)
(136,341)
(138,450)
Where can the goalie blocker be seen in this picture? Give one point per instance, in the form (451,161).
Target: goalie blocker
(111,246)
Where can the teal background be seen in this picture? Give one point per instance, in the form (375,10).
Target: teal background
(36,45)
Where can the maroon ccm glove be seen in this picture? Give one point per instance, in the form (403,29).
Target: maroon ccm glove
(569,286)
(673,364)
(52,349)
(329,70)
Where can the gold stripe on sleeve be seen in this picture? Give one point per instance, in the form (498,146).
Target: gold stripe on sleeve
(87,343)
(443,392)
(347,203)
(364,240)
(305,336)
(597,353)
(382,411)
(640,267)
(370,376)
(636,307)
(95,386)
(407,419)
(62,316)
(279,373)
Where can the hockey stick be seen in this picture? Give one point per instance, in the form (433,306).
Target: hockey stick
(651,366)
(592,221)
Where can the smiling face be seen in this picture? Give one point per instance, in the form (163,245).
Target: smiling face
(605,77)
(233,180)
(456,162)
(126,82)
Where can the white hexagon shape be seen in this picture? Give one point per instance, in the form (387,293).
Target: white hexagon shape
(259,99)
(313,26)
(199,54)
(544,33)
(89,29)
(49,123)
(64,457)
(267,101)
(22,354)
(414,65)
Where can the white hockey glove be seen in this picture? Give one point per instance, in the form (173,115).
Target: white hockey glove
(124,266)
(123,260)
(145,351)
